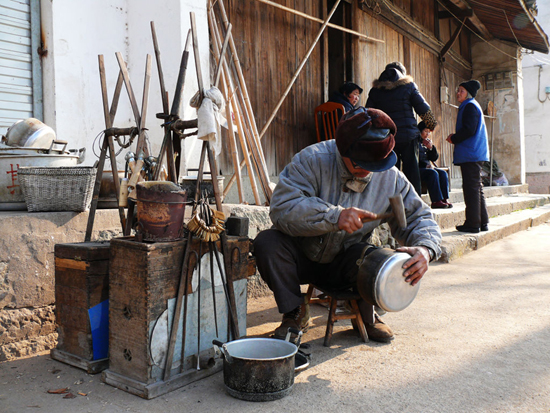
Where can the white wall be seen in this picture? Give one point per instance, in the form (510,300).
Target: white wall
(76,32)
(507,138)
(537,119)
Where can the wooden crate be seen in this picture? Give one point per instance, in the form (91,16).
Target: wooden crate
(143,280)
(81,282)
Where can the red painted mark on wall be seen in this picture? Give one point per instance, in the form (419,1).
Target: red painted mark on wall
(13,174)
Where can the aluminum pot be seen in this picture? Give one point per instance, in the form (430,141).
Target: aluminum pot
(259,369)
(30,132)
(380,280)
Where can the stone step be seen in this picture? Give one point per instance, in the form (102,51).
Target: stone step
(456,244)
(489,191)
(496,206)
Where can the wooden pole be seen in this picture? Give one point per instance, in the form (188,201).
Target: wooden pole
(230,128)
(108,144)
(315,19)
(304,60)
(217,195)
(244,91)
(142,143)
(133,102)
(222,55)
(163,93)
(260,164)
(230,101)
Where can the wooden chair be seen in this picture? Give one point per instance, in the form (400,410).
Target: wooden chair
(328,115)
(333,297)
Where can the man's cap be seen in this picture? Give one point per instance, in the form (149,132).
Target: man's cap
(472,86)
(366,136)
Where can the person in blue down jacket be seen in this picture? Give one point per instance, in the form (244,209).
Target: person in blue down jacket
(470,150)
(317,210)
(395,93)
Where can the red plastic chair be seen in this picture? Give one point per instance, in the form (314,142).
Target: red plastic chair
(328,115)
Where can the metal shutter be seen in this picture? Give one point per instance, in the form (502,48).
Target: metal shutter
(16,63)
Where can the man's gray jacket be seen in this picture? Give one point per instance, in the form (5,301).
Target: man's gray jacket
(312,192)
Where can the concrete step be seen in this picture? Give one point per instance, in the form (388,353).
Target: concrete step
(456,244)
(496,206)
(489,191)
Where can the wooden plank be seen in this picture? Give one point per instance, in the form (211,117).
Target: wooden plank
(152,390)
(83,251)
(89,366)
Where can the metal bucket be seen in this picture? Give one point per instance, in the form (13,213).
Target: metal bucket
(12,158)
(160,210)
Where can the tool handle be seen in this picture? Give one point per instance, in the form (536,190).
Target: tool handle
(378,216)
(135,174)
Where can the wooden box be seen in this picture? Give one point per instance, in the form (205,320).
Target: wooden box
(81,282)
(144,279)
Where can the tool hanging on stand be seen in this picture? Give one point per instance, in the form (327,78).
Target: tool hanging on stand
(109,132)
(210,228)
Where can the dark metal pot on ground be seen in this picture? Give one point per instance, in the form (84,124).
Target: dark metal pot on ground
(258,369)
(380,280)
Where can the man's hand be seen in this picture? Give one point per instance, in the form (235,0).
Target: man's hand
(351,219)
(417,266)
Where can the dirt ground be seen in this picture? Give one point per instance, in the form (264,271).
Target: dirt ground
(476,339)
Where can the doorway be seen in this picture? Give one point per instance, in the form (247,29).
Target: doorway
(339,47)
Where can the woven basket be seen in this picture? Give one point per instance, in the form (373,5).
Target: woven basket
(65,188)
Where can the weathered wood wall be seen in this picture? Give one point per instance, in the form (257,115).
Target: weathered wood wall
(421,63)
(271,43)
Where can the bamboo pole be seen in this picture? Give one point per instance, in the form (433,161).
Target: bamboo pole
(220,56)
(230,101)
(243,89)
(302,63)
(315,19)
(261,170)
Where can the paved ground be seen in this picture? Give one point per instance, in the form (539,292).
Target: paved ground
(476,339)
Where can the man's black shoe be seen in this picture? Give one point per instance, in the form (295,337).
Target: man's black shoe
(484,227)
(464,228)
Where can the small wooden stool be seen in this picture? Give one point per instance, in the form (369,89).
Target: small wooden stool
(333,297)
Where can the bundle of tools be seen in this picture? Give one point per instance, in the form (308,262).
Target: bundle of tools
(206,223)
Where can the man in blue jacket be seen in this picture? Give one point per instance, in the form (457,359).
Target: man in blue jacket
(317,210)
(471,149)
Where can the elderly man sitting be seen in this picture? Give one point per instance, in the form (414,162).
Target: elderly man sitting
(318,208)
